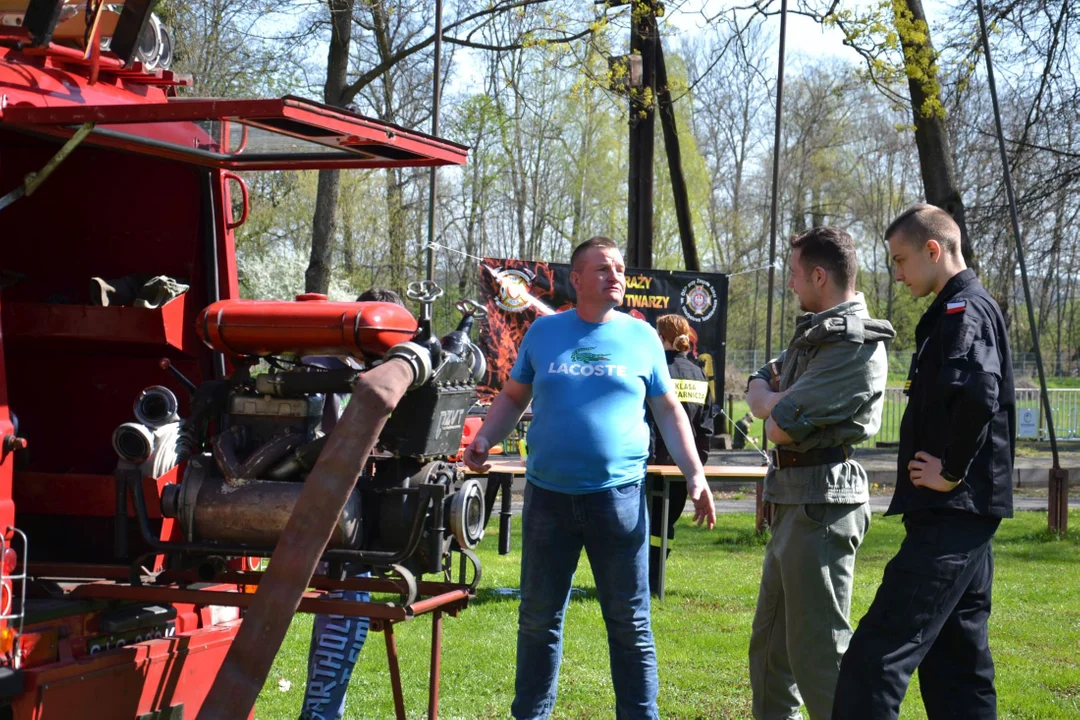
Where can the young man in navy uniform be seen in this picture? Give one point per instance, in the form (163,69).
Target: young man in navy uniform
(953,487)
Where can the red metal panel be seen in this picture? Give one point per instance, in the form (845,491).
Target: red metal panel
(74,495)
(128,682)
(325,124)
(168,129)
(73,325)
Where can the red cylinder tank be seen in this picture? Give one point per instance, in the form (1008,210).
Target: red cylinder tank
(312,325)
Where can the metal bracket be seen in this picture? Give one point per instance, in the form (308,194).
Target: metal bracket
(34,180)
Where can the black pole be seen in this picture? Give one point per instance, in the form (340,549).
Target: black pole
(775,201)
(773,211)
(674,158)
(639,216)
(1055,473)
(435,98)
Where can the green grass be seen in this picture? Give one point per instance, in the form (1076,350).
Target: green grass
(703,630)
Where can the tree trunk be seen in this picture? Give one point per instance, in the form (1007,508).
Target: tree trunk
(317,277)
(931,134)
(397,231)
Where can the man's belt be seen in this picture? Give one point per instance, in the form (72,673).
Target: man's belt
(783,459)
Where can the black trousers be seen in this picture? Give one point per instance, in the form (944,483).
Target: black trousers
(930,613)
(659,524)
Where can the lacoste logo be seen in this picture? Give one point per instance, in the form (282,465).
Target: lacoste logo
(584,356)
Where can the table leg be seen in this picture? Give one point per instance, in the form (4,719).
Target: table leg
(666,509)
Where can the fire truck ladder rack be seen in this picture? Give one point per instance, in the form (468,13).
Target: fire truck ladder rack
(109,582)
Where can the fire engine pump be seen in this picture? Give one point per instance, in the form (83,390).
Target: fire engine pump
(252,438)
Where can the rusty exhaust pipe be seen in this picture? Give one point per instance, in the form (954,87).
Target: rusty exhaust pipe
(314,516)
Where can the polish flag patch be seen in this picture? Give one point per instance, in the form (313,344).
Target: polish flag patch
(955,307)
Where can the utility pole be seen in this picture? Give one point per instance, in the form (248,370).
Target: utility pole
(639,221)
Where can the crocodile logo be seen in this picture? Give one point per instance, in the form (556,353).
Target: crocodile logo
(583,355)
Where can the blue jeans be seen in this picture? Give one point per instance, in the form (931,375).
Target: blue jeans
(336,642)
(613,527)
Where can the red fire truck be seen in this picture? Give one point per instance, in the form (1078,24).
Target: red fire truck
(122,589)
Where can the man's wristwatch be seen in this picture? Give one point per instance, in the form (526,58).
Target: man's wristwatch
(952,478)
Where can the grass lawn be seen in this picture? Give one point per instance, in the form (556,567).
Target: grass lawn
(703,630)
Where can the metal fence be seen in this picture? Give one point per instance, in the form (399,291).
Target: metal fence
(1056,364)
(1064,403)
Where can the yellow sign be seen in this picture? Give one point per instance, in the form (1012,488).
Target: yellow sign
(691,391)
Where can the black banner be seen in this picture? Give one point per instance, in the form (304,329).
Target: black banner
(516,292)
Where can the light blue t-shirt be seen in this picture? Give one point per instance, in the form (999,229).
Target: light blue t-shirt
(589,384)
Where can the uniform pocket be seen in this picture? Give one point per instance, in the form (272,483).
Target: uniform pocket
(915,590)
(815,513)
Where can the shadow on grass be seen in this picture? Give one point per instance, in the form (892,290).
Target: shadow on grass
(495,596)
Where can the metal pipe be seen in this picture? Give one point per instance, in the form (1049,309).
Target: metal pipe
(436,665)
(212,275)
(133,442)
(505,514)
(773,220)
(395,672)
(309,602)
(259,462)
(156,406)
(422,606)
(433,186)
(1058,501)
(1016,233)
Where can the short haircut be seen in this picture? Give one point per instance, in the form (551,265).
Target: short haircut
(921,223)
(377,294)
(829,248)
(597,241)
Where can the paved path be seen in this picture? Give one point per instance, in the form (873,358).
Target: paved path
(878,503)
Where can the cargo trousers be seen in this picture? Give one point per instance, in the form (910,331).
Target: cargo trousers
(801,627)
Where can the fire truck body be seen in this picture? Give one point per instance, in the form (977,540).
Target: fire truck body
(150,191)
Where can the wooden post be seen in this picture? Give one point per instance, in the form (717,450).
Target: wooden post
(1058,501)
(674,158)
(639,220)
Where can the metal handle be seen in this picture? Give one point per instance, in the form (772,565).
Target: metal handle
(471,307)
(424,291)
(246,200)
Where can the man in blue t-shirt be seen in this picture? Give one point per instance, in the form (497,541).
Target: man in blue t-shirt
(589,373)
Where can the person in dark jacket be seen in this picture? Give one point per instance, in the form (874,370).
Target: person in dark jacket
(693,391)
(742,432)
(953,487)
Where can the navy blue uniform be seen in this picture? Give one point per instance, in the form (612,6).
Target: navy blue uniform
(692,388)
(932,608)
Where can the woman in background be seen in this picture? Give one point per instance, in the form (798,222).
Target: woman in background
(695,396)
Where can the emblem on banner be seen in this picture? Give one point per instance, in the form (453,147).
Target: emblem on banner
(514,286)
(699,300)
